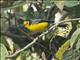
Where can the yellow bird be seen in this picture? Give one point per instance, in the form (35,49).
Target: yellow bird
(33,26)
(36,25)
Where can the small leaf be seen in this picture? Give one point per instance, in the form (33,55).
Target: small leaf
(3,51)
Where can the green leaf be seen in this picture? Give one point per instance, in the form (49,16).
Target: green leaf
(78,44)
(71,54)
(71,3)
(3,51)
(75,37)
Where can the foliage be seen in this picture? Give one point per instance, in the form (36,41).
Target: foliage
(60,43)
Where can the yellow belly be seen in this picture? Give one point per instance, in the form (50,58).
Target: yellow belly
(37,27)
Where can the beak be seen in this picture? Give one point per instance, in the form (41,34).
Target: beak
(26,23)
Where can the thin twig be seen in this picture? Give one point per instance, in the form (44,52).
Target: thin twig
(50,47)
(30,44)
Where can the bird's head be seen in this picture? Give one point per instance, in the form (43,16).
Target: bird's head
(26,23)
(21,21)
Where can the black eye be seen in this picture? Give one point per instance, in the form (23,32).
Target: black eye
(26,22)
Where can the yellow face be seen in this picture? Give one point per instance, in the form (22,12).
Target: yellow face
(26,23)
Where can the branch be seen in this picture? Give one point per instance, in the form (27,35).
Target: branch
(12,35)
(30,44)
(20,37)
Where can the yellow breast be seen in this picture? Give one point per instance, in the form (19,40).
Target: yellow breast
(37,27)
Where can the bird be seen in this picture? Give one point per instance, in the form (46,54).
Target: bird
(36,25)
